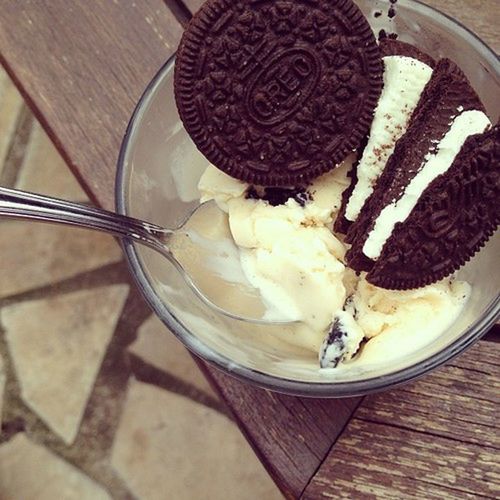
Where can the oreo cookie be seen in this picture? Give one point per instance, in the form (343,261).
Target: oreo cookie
(276,93)
(453,219)
(448,94)
(388,48)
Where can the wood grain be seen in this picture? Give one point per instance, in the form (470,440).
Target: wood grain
(83,69)
(481,16)
(292,436)
(437,438)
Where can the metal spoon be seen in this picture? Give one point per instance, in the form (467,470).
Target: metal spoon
(23,205)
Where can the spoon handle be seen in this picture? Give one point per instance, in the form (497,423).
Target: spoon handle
(23,205)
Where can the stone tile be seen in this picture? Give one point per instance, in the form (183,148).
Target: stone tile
(2,386)
(57,345)
(11,104)
(34,254)
(167,446)
(31,472)
(159,347)
(44,171)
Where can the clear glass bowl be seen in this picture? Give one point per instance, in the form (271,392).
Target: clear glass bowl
(158,171)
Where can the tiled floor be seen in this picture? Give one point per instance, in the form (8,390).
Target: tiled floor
(97,399)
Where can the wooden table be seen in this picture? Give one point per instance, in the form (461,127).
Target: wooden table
(82,65)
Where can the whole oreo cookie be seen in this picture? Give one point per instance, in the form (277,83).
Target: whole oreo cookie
(453,219)
(277,92)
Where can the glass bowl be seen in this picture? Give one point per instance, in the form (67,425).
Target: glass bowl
(158,171)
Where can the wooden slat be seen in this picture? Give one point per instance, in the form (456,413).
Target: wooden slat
(82,70)
(482,16)
(83,66)
(403,464)
(291,436)
(434,439)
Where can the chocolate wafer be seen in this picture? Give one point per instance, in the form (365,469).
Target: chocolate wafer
(277,93)
(388,48)
(453,219)
(448,94)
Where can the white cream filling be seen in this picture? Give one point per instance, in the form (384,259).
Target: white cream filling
(404,81)
(435,164)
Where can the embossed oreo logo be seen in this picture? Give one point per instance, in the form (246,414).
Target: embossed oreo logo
(282,86)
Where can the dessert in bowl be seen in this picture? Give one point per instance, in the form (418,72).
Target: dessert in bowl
(159,173)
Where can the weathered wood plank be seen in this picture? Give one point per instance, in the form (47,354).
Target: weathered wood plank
(381,461)
(292,436)
(437,438)
(469,402)
(472,419)
(82,69)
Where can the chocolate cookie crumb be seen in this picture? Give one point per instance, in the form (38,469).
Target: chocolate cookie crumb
(382,35)
(279,196)
(333,349)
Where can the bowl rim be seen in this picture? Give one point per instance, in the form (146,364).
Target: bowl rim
(327,389)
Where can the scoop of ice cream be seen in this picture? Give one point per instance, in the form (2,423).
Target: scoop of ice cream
(397,323)
(297,271)
(220,187)
(291,255)
(288,251)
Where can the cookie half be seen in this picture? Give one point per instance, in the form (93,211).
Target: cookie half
(453,219)
(407,71)
(447,95)
(276,93)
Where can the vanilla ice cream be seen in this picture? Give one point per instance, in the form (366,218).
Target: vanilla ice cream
(290,254)
(288,251)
